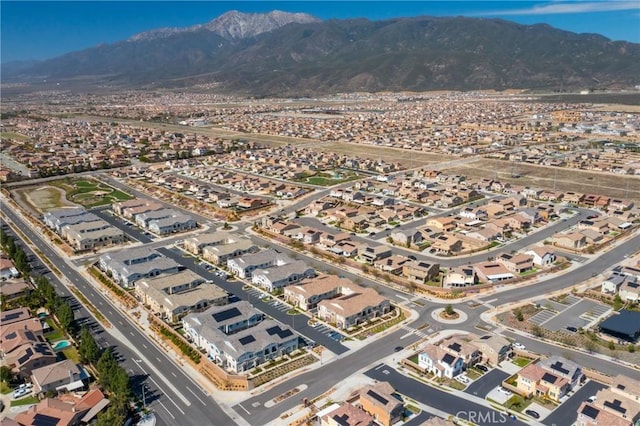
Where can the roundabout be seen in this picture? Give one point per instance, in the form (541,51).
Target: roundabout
(441,316)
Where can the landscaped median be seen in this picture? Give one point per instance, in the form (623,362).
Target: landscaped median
(125,297)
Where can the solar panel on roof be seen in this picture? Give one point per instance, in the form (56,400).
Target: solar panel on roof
(448,358)
(549,378)
(455,347)
(285,333)
(226,314)
(558,367)
(377,397)
(246,340)
(590,411)
(44,420)
(615,405)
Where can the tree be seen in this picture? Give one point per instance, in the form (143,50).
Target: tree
(612,346)
(6,375)
(88,349)
(449,310)
(106,365)
(64,313)
(631,348)
(519,315)
(116,414)
(537,331)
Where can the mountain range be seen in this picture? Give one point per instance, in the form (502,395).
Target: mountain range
(286,54)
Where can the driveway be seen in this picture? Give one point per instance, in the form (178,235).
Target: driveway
(483,385)
(567,414)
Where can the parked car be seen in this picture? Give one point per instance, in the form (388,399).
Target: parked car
(482,368)
(592,398)
(398,348)
(572,329)
(502,390)
(518,346)
(20,392)
(533,414)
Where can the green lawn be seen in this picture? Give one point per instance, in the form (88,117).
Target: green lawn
(473,374)
(521,362)
(71,353)
(456,385)
(54,335)
(87,192)
(414,359)
(4,387)
(29,400)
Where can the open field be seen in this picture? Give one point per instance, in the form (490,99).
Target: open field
(70,193)
(618,186)
(44,198)
(13,135)
(408,158)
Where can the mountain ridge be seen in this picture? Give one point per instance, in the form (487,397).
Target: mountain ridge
(269,55)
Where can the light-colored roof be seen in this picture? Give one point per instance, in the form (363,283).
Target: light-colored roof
(55,372)
(316,286)
(351,304)
(278,273)
(225,249)
(349,415)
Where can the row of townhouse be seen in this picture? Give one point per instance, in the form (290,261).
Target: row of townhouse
(83,230)
(238,337)
(128,266)
(219,247)
(155,217)
(338,300)
(175,295)
(453,355)
(590,232)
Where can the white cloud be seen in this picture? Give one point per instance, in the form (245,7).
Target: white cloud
(556,8)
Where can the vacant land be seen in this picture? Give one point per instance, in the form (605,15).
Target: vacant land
(44,198)
(13,135)
(70,193)
(562,179)
(408,158)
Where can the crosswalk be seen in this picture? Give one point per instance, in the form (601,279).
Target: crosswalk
(415,331)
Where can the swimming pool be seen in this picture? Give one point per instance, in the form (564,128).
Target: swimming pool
(61,345)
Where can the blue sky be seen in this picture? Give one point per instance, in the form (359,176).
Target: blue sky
(45,29)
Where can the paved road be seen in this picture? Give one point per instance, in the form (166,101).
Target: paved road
(567,414)
(180,401)
(485,384)
(445,401)
(320,380)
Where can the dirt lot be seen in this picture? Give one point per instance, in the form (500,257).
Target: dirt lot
(565,179)
(407,158)
(43,199)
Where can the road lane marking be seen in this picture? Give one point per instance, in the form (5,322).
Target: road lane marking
(174,374)
(165,407)
(159,360)
(240,405)
(197,397)
(144,346)
(187,402)
(379,367)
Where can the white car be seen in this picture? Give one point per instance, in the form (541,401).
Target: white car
(504,391)
(518,346)
(20,392)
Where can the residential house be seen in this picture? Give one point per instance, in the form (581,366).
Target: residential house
(347,415)
(541,256)
(8,269)
(552,377)
(23,347)
(462,348)
(611,285)
(445,224)
(244,266)
(407,237)
(379,401)
(493,272)
(494,348)
(169,225)
(392,264)
(420,271)
(63,375)
(459,277)
(440,362)
(447,244)
(281,276)
(14,289)
(574,240)
(630,290)
(371,254)
(66,410)
(517,263)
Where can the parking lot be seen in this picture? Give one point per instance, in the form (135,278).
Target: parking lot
(568,314)
(283,307)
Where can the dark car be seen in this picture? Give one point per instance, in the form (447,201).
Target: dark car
(371,234)
(412,257)
(572,329)
(398,348)
(482,368)
(533,414)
